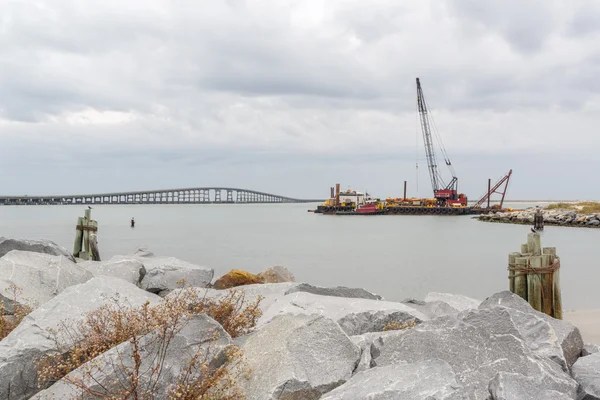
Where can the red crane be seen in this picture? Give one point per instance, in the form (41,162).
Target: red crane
(446,194)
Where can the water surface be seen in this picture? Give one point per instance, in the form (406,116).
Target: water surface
(398,257)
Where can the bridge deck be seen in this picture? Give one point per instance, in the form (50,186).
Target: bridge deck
(204,195)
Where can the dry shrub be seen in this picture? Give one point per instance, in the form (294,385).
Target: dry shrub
(398,326)
(112,324)
(9,322)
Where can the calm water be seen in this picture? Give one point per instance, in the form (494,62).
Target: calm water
(395,256)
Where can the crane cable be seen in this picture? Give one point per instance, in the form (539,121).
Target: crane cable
(440,143)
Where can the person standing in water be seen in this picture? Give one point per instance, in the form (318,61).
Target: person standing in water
(132,222)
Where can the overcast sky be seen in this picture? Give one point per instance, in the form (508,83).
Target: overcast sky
(290,97)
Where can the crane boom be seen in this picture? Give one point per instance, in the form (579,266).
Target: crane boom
(436,179)
(505,179)
(445,194)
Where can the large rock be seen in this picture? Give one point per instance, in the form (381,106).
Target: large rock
(476,351)
(355,316)
(199,334)
(511,386)
(430,379)
(38,276)
(297,357)
(589,349)
(586,372)
(568,335)
(130,270)
(276,274)
(164,273)
(31,340)
(369,344)
(338,291)
(433,309)
(142,252)
(533,329)
(34,246)
(236,277)
(456,301)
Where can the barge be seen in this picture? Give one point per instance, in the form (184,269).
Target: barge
(446,200)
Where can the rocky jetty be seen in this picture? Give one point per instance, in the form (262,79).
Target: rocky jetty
(551,217)
(306,342)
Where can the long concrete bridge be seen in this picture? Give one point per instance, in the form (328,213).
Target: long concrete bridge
(205,195)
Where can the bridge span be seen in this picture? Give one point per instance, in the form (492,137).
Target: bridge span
(204,195)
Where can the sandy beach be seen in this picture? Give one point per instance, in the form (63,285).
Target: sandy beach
(588,322)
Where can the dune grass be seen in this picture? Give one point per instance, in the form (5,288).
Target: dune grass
(583,207)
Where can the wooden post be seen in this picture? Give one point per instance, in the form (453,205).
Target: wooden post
(534,284)
(95,252)
(78,237)
(547,285)
(541,290)
(521,280)
(511,263)
(534,244)
(85,225)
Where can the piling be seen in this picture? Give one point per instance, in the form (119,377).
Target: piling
(534,276)
(512,257)
(86,244)
(404,191)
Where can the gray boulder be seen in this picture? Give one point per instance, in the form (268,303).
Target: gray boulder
(132,271)
(104,373)
(456,301)
(34,246)
(534,330)
(429,379)
(31,340)
(297,357)
(164,273)
(370,345)
(142,252)
(433,309)
(355,316)
(590,349)
(586,372)
(276,274)
(475,351)
(568,335)
(511,386)
(38,276)
(338,291)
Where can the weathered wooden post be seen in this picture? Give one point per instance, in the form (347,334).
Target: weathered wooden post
(84,227)
(534,276)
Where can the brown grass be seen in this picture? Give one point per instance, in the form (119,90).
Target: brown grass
(113,324)
(397,326)
(9,322)
(583,207)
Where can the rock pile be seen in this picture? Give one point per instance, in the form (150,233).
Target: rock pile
(315,342)
(551,217)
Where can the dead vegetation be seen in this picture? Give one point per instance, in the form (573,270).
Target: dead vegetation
(398,326)
(113,324)
(9,322)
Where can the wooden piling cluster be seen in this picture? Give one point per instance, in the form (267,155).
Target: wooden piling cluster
(86,242)
(534,274)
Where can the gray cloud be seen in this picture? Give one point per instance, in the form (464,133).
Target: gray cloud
(292,95)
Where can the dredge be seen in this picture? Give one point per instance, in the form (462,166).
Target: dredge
(446,198)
